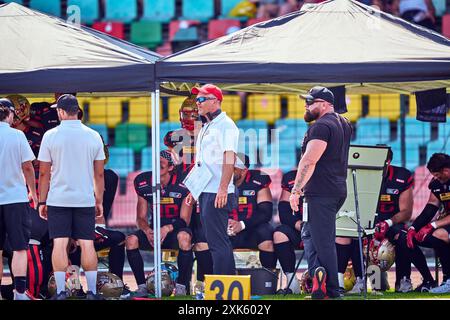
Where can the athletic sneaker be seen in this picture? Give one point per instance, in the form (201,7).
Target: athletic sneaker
(126,293)
(24,296)
(404,286)
(199,290)
(426,286)
(93,296)
(319,289)
(141,292)
(59,296)
(443,288)
(358,288)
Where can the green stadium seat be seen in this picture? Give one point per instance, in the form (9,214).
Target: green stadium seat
(202,10)
(101,129)
(89,9)
(130,135)
(121,160)
(146,33)
(121,10)
(157,10)
(52,7)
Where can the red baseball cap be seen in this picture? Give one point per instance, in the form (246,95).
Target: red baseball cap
(209,89)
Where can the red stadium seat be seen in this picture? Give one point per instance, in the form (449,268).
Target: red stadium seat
(219,28)
(165,49)
(115,29)
(255,20)
(174,26)
(422,178)
(446,25)
(123,212)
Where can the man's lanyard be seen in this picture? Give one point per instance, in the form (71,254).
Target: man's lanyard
(200,143)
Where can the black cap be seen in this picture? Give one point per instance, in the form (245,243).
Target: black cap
(319,92)
(4,102)
(67,102)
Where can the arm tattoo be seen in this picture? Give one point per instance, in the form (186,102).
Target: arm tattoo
(302,177)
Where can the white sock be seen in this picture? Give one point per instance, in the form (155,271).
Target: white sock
(91,279)
(341,280)
(60,278)
(295,287)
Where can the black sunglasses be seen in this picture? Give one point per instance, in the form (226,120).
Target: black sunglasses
(203,99)
(312,101)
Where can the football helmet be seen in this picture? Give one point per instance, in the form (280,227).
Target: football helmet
(109,285)
(188,113)
(22,108)
(349,277)
(171,269)
(382,254)
(72,281)
(167,284)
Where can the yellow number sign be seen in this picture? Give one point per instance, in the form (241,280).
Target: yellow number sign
(219,287)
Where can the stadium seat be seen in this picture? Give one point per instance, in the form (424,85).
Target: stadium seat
(146,158)
(106,111)
(384,105)
(140,111)
(255,21)
(444,130)
(16,1)
(287,155)
(115,29)
(295,107)
(232,105)
(146,33)
(411,153)
(253,135)
(101,129)
(121,10)
(89,9)
(165,49)
(264,106)
(174,107)
(416,131)
(121,160)
(370,131)
(412,109)
(157,10)
(438,146)
(123,211)
(202,10)
(131,135)
(446,25)
(354,107)
(439,7)
(226,6)
(292,130)
(219,28)
(52,7)
(175,26)
(422,178)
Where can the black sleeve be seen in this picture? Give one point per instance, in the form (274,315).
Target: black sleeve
(286,216)
(425,216)
(319,131)
(263,214)
(265,180)
(141,178)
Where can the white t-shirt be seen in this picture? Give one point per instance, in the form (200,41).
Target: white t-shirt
(72,148)
(213,140)
(14,150)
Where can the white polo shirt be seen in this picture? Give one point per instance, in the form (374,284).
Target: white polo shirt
(72,148)
(216,137)
(14,151)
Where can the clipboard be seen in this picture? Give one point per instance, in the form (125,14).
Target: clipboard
(197,180)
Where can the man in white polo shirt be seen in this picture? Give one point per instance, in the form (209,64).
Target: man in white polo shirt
(72,197)
(15,218)
(216,147)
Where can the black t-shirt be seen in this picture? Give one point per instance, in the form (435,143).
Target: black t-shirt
(330,174)
(34,137)
(248,193)
(396,181)
(41,112)
(172,196)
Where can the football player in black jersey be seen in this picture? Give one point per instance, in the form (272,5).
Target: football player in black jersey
(286,237)
(175,217)
(394,210)
(248,225)
(435,234)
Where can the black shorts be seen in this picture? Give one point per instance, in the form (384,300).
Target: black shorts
(170,242)
(250,239)
(107,238)
(15,223)
(75,223)
(39,226)
(197,229)
(293,235)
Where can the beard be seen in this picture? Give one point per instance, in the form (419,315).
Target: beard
(309,116)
